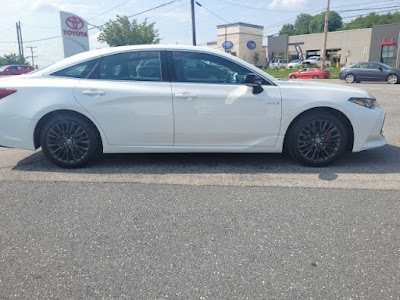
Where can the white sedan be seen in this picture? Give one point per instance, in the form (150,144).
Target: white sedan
(142,99)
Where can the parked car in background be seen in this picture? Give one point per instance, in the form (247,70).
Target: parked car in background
(278,63)
(311,73)
(294,64)
(370,71)
(315,61)
(15,70)
(198,99)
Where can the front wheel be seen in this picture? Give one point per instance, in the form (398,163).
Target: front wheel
(292,77)
(392,79)
(350,78)
(317,139)
(70,141)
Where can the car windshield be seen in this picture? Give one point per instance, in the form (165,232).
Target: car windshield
(295,61)
(2,68)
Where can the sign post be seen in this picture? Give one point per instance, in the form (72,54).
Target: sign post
(74,33)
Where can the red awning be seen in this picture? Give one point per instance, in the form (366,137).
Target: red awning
(385,43)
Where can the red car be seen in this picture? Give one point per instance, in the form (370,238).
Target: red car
(314,73)
(15,70)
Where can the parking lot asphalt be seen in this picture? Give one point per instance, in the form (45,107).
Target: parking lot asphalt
(204,226)
(375,169)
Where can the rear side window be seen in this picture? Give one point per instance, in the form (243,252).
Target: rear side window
(135,66)
(77,71)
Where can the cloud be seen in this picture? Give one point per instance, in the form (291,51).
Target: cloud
(288,3)
(45,6)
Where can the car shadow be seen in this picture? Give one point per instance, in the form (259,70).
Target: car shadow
(383,160)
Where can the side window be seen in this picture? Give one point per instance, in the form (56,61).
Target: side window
(13,68)
(364,66)
(135,66)
(77,71)
(310,70)
(206,68)
(355,66)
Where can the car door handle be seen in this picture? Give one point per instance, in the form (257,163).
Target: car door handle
(186,96)
(93,93)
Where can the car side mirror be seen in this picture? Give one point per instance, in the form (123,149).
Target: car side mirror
(380,69)
(254,81)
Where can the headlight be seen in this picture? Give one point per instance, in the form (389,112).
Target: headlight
(366,102)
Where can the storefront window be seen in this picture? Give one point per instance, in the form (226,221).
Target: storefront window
(388,55)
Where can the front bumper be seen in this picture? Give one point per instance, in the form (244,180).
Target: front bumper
(368,134)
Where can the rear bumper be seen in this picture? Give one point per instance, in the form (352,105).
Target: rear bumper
(16,133)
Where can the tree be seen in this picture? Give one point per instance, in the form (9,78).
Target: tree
(318,22)
(12,59)
(306,24)
(256,58)
(302,24)
(123,32)
(287,29)
(373,19)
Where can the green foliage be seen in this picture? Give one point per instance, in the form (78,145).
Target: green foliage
(306,24)
(123,32)
(287,29)
(302,24)
(312,24)
(373,19)
(12,59)
(256,58)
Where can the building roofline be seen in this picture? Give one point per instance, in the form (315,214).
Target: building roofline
(240,24)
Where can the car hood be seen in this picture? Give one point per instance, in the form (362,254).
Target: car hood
(319,86)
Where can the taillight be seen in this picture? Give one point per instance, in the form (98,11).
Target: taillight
(6,92)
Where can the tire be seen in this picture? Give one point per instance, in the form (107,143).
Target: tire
(317,139)
(293,77)
(350,78)
(315,77)
(392,79)
(70,141)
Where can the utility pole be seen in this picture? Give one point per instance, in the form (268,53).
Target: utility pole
(33,62)
(323,54)
(193,23)
(19,38)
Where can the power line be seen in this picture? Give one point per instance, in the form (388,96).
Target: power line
(256,8)
(103,13)
(139,13)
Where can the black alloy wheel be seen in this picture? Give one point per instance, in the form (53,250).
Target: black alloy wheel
(70,142)
(318,141)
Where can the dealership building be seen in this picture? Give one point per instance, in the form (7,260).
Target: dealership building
(242,40)
(379,43)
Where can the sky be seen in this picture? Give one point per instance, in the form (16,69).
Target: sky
(40,19)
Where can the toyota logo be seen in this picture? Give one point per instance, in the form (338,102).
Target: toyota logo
(74,23)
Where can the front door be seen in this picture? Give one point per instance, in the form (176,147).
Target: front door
(213,106)
(126,94)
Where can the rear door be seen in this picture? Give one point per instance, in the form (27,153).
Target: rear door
(130,99)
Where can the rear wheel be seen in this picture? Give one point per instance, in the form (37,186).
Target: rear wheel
(392,79)
(317,139)
(350,78)
(315,77)
(70,141)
